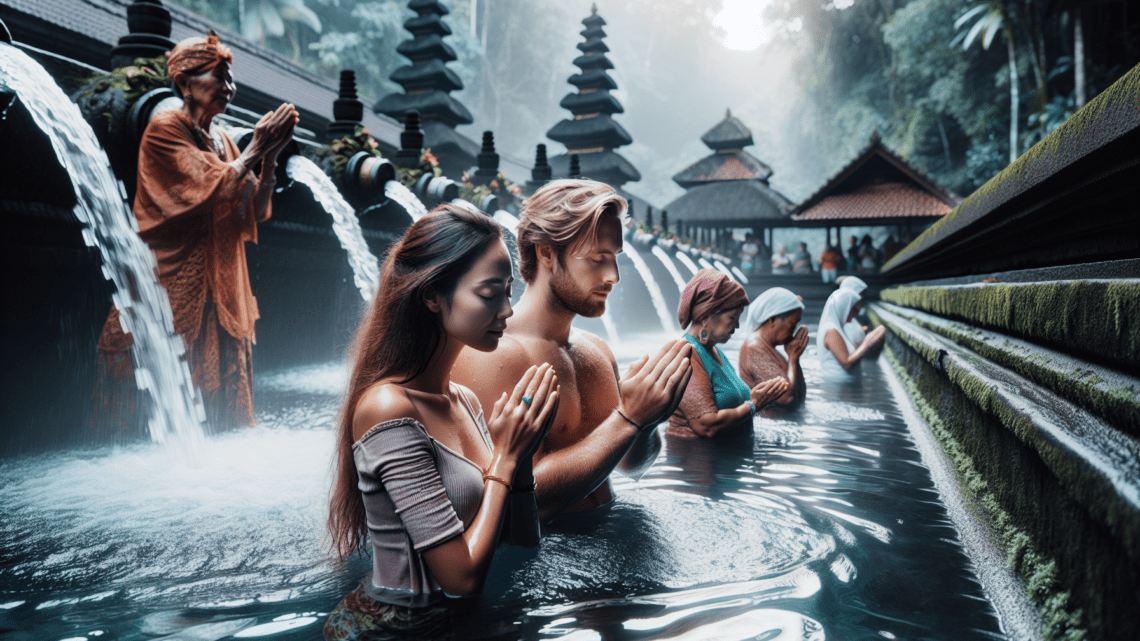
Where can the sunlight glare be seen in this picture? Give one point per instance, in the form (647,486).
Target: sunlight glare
(743,22)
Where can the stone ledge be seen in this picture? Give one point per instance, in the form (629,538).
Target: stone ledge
(1093,318)
(1112,395)
(1097,465)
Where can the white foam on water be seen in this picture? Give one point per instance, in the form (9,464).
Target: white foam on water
(108,225)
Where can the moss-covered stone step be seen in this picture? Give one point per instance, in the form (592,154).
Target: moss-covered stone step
(1108,393)
(1095,319)
(1098,465)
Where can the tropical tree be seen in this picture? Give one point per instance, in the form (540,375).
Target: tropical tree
(262,19)
(991,17)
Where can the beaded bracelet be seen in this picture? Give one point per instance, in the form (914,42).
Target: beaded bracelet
(752,406)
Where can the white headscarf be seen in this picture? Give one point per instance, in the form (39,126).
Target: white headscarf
(772,302)
(835,313)
(854,283)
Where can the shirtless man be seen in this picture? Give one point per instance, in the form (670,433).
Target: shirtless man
(569,236)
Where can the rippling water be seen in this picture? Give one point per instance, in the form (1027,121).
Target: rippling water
(822,524)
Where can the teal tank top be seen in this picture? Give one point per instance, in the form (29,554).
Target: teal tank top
(728,389)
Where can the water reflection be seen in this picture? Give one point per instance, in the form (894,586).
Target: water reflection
(820,524)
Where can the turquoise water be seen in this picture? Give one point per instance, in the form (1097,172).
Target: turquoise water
(823,524)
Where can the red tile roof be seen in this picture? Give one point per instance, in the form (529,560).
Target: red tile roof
(877,201)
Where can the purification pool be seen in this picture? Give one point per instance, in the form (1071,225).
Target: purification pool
(823,524)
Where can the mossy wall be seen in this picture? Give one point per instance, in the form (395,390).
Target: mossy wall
(1075,570)
(1099,320)
(1113,396)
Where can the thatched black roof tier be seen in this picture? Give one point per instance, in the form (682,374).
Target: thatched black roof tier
(427,81)
(594,46)
(593,61)
(595,79)
(587,133)
(725,165)
(427,48)
(729,133)
(434,106)
(732,203)
(606,166)
(593,102)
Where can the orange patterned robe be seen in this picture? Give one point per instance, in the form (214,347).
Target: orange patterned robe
(196,213)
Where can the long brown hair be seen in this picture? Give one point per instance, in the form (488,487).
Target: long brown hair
(400,334)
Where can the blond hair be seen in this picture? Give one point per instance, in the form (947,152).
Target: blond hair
(565,215)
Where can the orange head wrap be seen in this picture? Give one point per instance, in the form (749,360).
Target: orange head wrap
(709,291)
(192,56)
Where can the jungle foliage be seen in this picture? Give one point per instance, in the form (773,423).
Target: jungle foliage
(934,76)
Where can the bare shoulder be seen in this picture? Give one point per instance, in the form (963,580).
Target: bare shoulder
(476,369)
(382,402)
(592,346)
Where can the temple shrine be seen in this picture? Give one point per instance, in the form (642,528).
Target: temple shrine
(593,134)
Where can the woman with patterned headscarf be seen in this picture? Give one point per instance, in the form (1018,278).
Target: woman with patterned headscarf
(198,202)
(716,401)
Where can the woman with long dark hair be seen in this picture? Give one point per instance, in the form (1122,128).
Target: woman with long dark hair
(417,472)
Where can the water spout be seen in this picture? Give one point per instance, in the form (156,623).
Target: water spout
(672,268)
(144,309)
(365,267)
(398,192)
(721,268)
(688,262)
(611,329)
(655,294)
(508,221)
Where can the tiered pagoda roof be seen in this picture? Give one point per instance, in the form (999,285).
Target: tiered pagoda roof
(730,186)
(876,188)
(593,133)
(427,81)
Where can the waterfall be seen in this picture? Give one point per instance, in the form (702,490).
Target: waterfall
(655,294)
(395,190)
(688,262)
(721,268)
(704,263)
(611,329)
(665,260)
(508,221)
(365,267)
(110,227)
(740,275)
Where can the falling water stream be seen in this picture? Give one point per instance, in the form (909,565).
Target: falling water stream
(365,267)
(670,267)
(688,262)
(110,227)
(395,190)
(667,323)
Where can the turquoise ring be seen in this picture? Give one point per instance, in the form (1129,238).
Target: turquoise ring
(526,400)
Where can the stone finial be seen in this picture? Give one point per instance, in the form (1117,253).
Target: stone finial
(594,9)
(575,167)
(348,111)
(875,137)
(149,25)
(487,161)
(727,113)
(411,140)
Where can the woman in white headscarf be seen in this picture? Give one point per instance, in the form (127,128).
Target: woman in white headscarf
(772,320)
(854,329)
(837,353)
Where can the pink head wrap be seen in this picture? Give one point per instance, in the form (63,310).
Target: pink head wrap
(708,292)
(192,56)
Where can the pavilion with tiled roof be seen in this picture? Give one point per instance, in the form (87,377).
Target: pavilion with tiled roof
(728,188)
(877,188)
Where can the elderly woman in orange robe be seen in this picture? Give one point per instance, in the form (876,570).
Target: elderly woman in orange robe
(198,201)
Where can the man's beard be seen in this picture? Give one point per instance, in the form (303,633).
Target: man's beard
(565,293)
